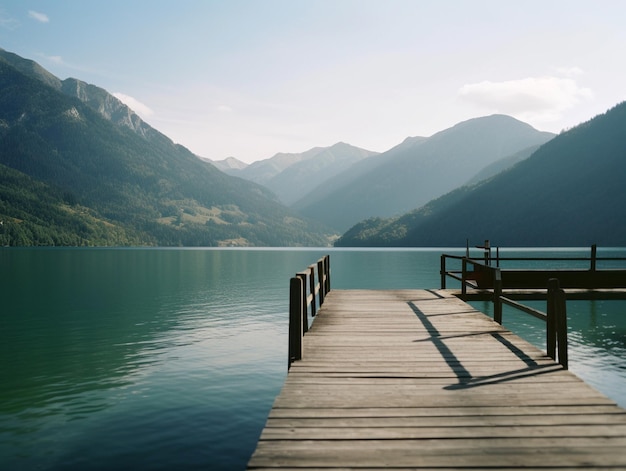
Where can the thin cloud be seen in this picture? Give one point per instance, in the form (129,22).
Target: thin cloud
(542,99)
(37,16)
(56,60)
(570,71)
(138,107)
(7,22)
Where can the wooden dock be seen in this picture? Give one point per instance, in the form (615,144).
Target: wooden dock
(418,379)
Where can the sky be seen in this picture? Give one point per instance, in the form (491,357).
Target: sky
(252,78)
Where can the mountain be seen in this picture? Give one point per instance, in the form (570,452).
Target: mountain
(501,165)
(297,180)
(97,98)
(263,171)
(229,165)
(95,163)
(569,192)
(417,171)
(292,176)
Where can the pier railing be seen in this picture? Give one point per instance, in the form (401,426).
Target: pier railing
(485,279)
(307,290)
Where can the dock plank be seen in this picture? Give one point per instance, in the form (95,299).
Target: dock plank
(418,379)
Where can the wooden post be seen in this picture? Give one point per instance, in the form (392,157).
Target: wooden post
(487,248)
(561,327)
(594,251)
(295,320)
(305,311)
(442,271)
(497,296)
(312,289)
(320,277)
(327,266)
(463,278)
(553,286)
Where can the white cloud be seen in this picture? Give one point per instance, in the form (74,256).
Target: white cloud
(540,99)
(37,16)
(224,109)
(144,111)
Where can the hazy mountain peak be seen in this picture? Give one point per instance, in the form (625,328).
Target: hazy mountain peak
(229,163)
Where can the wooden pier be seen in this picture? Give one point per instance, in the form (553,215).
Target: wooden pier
(418,379)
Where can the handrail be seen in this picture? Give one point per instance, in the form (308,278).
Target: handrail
(589,278)
(491,279)
(303,290)
(555,317)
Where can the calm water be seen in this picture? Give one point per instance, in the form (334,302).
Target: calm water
(161,359)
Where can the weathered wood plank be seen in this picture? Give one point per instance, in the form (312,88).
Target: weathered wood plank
(458,454)
(379,432)
(458,420)
(459,410)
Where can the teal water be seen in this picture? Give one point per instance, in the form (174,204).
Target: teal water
(161,359)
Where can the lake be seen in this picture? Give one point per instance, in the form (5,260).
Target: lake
(162,359)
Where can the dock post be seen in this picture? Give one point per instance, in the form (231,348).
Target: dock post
(442,271)
(561,327)
(295,320)
(594,251)
(497,296)
(304,311)
(327,265)
(553,285)
(312,289)
(556,329)
(321,280)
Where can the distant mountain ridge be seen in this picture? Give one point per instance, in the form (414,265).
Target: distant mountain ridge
(291,176)
(569,192)
(418,170)
(101,168)
(228,164)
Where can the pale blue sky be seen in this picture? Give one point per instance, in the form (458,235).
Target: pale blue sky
(249,79)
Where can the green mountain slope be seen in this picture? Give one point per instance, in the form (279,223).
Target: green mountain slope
(570,192)
(410,175)
(33,213)
(153,190)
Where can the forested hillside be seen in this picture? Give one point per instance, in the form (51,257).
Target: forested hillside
(570,192)
(124,187)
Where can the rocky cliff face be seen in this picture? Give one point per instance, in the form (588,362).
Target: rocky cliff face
(107,105)
(95,97)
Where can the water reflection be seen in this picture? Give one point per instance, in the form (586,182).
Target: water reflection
(142,358)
